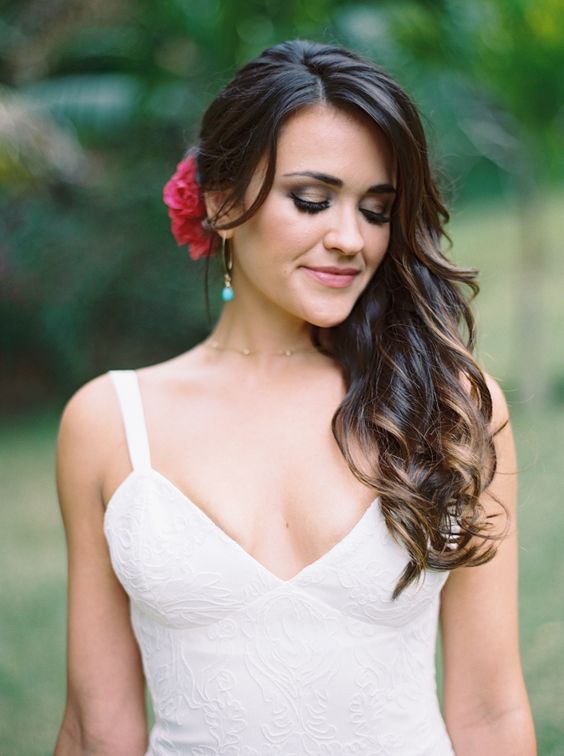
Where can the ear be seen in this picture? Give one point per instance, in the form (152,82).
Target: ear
(214,201)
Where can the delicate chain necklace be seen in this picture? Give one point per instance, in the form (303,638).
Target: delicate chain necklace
(250,352)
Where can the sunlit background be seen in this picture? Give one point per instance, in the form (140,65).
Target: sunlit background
(98,101)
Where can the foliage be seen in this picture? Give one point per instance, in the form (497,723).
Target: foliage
(100,100)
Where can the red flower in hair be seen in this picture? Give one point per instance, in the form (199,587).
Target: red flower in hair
(186,209)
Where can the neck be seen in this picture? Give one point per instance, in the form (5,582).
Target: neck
(237,328)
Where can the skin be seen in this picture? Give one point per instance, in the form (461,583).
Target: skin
(289,501)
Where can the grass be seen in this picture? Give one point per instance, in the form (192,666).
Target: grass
(32,591)
(32,551)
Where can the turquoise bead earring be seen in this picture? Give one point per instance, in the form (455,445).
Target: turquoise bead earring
(227,293)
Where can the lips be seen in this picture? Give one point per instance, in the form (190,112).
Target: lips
(332,276)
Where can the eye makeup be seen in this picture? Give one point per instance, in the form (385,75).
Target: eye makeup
(378,219)
(308,206)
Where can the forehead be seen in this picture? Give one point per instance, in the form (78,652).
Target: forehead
(335,141)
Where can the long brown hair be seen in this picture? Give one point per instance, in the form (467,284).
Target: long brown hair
(415,395)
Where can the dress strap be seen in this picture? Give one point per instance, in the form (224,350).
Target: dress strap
(126,385)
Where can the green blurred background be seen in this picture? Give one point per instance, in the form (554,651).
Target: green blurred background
(98,102)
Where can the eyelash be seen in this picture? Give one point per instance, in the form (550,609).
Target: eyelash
(307,206)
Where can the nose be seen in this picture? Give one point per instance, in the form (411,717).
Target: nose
(345,235)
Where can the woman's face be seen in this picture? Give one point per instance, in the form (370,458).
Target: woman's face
(312,247)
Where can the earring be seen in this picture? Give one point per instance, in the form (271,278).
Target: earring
(227,293)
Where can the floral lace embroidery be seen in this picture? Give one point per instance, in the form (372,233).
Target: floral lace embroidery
(241,663)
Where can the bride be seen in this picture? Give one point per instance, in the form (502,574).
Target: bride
(268,529)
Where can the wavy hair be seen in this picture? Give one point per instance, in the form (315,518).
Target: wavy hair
(417,406)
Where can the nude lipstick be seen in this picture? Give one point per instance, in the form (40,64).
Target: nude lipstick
(333,277)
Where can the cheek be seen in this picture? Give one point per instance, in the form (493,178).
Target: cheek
(280,236)
(268,227)
(378,247)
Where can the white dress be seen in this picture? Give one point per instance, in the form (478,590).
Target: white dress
(242,663)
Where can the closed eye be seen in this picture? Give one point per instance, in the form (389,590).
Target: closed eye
(308,206)
(377,218)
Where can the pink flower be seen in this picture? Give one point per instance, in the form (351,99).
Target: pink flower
(186,209)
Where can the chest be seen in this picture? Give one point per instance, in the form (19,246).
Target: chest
(263,466)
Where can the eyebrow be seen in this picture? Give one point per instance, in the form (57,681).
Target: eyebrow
(333,181)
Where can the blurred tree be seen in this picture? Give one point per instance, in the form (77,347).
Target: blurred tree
(33,148)
(512,52)
(99,100)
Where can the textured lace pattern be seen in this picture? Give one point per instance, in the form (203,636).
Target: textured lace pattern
(242,663)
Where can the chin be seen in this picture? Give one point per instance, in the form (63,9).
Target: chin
(328,317)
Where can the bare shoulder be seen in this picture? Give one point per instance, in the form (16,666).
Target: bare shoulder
(91,429)
(189,366)
(88,431)
(88,406)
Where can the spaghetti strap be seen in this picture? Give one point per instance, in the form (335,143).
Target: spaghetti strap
(126,385)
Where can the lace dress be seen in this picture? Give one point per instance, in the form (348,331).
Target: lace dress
(239,662)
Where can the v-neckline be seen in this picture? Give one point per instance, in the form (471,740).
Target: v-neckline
(211,524)
(142,465)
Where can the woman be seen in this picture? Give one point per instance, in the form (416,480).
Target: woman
(266,527)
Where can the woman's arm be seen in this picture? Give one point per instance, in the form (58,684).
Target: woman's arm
(486,707)
(105,710)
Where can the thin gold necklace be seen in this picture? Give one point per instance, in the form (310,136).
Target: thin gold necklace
(250,352)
